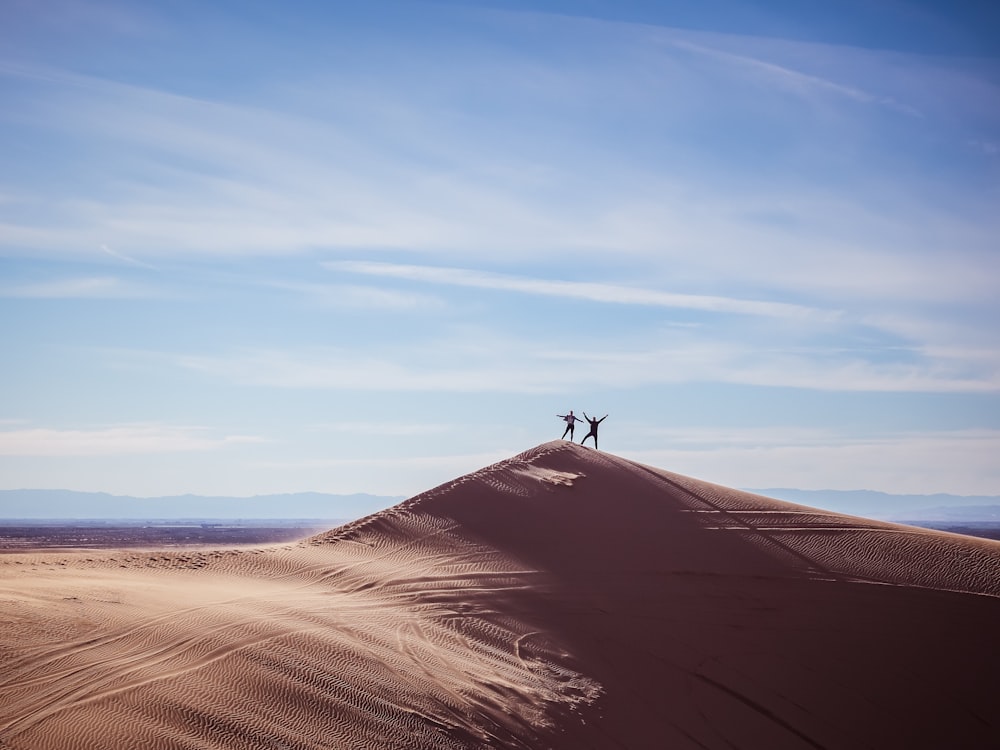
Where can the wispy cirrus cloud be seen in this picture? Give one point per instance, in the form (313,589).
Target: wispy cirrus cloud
(268,177)
(126,258)
(590,291)
(792,79)
(115,440)
(391,429)
(465,461)
(88,287)
(360,296)
(463,365)
(899,462)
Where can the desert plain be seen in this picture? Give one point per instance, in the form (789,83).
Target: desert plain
(564,598)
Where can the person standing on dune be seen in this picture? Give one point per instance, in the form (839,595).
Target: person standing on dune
(593,428)
(570,421)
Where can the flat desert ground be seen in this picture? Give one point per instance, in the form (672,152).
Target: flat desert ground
(563,598)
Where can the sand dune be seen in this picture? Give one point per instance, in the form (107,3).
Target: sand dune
(564,598)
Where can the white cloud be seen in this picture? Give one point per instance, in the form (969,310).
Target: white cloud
(791,79)
(394,429)
(714,438)
(591,291)
(324,368)
(126,258)
(124,439)
(278,177)
(958,462)
(359,296)
(464,365)
(91,287)
(468,462)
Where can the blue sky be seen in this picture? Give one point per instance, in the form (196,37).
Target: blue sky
(343,247)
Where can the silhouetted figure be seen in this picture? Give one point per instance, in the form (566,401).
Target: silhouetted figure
(593,428)
(570,421)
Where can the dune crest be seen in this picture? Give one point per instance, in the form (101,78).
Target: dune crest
(563,598)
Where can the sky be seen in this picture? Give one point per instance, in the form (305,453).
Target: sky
(252,247)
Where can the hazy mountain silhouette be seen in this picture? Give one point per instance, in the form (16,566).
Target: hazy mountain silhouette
(68,504)
(892,507)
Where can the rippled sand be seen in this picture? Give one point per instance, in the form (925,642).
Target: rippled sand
(564,598)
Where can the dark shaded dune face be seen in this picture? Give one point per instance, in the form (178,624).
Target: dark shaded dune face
(564,598)
(717,618)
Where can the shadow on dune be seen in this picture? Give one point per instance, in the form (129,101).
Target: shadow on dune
(711,617)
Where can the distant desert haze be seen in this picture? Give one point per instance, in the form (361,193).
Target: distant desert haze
(564,598)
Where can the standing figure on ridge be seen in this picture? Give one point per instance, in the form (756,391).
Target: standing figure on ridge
(593,428)
(570,421)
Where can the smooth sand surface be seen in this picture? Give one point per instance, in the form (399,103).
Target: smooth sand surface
(564,598)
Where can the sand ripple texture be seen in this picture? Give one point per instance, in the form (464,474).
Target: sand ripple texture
(564,598)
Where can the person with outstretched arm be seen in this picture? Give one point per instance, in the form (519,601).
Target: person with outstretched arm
(570,421)
(593,428)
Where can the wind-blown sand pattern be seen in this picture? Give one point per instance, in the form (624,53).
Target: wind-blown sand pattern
(564,598)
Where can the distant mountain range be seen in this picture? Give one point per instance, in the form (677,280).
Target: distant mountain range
(940,508)
(68,504)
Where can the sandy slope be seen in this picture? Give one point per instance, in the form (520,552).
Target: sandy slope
(564,598)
